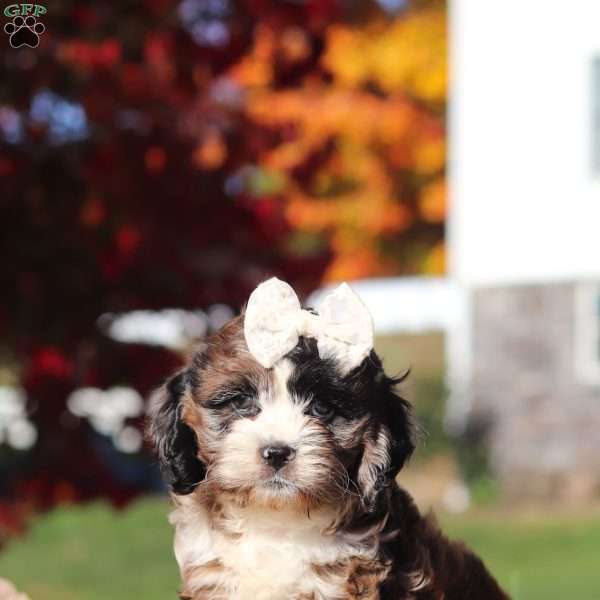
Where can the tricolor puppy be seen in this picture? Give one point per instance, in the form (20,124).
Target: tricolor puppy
(281,441)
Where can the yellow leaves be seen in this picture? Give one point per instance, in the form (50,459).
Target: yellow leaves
(411,55)
(347,55)
(407,55)
(435,263)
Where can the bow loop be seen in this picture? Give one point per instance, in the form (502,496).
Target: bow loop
(274,321)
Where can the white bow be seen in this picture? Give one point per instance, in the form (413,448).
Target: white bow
(274,320)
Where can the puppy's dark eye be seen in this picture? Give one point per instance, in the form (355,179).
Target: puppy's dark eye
(244,404)
(322,410)
(239,402)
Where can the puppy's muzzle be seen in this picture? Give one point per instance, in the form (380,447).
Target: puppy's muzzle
(277,455)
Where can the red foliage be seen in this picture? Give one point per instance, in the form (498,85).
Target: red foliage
(160,154)
(116,196)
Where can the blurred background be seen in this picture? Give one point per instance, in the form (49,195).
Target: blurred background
(159,158)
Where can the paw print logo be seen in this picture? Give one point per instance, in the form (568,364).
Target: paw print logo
(24,31)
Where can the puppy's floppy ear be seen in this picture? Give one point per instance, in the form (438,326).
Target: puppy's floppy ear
(388,440)
(400,422)
(173,439)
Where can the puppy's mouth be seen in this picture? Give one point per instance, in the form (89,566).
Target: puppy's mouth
(278,483)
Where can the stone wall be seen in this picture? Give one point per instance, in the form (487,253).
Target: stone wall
(545,422)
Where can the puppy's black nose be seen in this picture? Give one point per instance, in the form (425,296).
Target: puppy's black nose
(277,455)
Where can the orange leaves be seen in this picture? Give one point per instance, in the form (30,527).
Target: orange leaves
(362,152)
(256,68)
(211,152)
(319,113)
(365,262)
(372,215)
(433,202)
(429,155)
(354,219)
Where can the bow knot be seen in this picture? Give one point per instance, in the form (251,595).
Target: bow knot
(274,320)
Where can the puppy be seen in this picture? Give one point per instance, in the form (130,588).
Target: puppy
(281,441)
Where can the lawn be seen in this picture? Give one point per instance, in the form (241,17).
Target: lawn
(93,553)
(536,557)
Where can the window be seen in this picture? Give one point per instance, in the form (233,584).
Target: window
(587,332)
(595,117)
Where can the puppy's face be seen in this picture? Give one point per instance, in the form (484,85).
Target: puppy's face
(299,433)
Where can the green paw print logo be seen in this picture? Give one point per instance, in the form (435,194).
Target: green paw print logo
(25,28)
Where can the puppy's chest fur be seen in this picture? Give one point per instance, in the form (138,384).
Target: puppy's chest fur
(250,554)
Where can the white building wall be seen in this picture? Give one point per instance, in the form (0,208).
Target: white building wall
(525,205)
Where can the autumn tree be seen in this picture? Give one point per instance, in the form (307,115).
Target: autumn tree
(172,154)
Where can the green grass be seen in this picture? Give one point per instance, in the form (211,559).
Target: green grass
(94,553)
(536,558)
